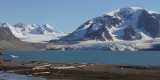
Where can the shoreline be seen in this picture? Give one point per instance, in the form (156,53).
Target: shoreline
(81,71)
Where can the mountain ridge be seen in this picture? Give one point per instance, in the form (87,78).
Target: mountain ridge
(21,29)
(110,27)
(33,33)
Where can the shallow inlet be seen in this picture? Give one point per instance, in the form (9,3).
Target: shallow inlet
(13,76)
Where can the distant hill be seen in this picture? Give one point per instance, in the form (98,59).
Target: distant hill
(6,35)
(9,42)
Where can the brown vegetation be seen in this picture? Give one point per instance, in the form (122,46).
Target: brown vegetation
(1,53)
(82,71)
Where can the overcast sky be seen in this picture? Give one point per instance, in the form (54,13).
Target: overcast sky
(64,15)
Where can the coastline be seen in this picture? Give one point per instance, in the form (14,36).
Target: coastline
(81,71)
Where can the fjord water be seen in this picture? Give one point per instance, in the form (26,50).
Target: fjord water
(80,56)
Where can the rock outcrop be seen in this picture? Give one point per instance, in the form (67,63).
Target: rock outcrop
(9,42)
(131,34)
(6,34)
(101,34)
(150,23)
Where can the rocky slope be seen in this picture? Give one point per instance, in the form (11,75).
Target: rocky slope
(131,34)
(6,35)
(131,23)
(9,42)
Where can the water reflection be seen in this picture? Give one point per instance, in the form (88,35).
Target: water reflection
(13,76)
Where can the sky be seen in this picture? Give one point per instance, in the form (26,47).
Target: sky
(64,15)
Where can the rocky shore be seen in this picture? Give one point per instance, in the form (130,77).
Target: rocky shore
(81,71)
(1,53)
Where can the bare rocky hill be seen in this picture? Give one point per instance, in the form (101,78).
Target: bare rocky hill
(9,42)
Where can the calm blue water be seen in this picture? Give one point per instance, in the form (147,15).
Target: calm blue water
(106,57)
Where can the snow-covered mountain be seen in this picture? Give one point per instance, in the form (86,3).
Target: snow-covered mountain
(20,29)
(33,33)
(130,23)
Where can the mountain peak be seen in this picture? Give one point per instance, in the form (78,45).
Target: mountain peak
(133,8)
(5,24)
(47,25)
(129,11)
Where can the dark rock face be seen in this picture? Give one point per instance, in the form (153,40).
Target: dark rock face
(40,30)
(9,42)
(150,23)
(82,26)
(111,21)
(131,34)
(6,34)
(106,20)
(101,34)
(129,12)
